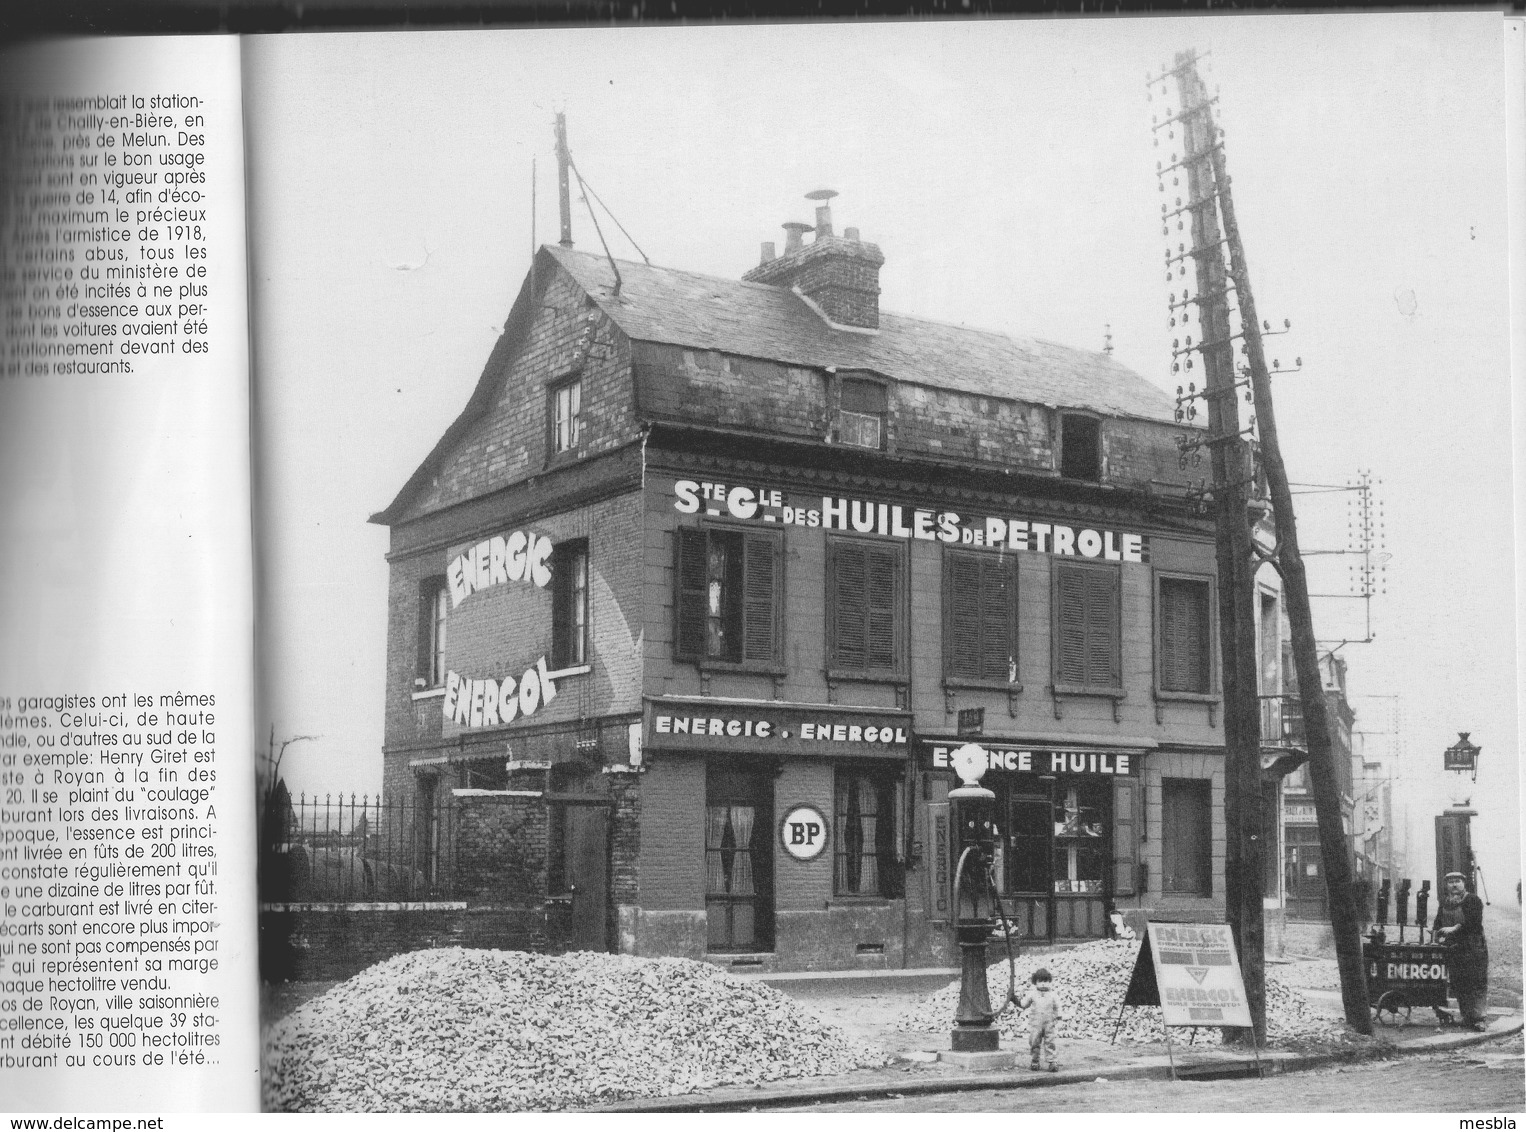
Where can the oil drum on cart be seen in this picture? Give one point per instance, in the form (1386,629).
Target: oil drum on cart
(1402,976)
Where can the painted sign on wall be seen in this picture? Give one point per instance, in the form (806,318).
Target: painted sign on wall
(517,557)
(492,703)
(803,833)
(893,520)
(1027,761)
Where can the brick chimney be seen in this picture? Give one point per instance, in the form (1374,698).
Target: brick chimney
(840,274)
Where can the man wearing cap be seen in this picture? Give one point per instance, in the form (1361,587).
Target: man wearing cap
(1460,925)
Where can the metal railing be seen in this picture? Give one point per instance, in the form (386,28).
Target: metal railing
(1282,721)
(356,849)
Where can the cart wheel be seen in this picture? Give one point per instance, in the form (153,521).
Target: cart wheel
(1392,1002)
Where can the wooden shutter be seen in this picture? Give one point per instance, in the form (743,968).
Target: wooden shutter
(1184,641)
(760,590)
(689,595)
(847,584)
(1102,629)
(979,618)
(883,602)
(1070,627)
(962,618)
(864,592)
(1125,836)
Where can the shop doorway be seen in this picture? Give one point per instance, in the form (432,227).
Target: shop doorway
(1305,874)
(739,867)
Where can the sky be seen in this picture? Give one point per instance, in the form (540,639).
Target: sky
(1006,170)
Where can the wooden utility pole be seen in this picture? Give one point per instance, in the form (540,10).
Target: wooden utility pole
(564,179)
(1334,847)
(1232,484)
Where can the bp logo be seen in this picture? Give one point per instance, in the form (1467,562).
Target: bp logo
(803,833)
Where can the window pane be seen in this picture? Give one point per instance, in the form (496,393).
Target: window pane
(859,429)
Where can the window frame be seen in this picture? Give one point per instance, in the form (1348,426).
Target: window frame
(889,785)
(1070,688)
(773,664)
(575,550)
(568,383)
(433,635)
(1095,421)
(1008,564)
(1171,830)
(1212,695)
(897,672)
(882,415)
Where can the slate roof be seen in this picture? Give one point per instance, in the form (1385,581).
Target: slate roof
(705,312)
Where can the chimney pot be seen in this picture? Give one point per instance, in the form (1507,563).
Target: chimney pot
(850,234)
(768,251)
(793,242)
(823,220)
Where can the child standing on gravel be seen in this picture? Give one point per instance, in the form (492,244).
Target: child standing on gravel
(1043,1017)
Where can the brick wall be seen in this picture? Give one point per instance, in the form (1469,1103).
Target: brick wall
(300,943)
(500,852)
(672,831)
(712,388)
(510,441)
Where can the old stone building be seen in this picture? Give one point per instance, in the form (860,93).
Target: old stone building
(688,604)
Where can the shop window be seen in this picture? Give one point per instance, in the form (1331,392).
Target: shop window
(980,617)
(865,623)
(434,605)
(868,808)
(1080,838)
(1080,447)
(728,595)
(1030,827)
(1186,836)
(569,604)
(565,415)
(1184,651)
(1086,616)
(861,413)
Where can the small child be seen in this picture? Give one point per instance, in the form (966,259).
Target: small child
(1043,1019)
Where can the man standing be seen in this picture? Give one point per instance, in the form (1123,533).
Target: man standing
(1460,925)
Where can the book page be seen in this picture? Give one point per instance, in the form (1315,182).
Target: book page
(676,445)
(127,959)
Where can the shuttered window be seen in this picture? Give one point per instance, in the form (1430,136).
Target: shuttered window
(864,599)
(1086,621)
(1185,645)
(980,617)
(726,597)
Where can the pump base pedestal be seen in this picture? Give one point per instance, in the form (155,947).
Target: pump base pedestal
(974,1039)
(987,1059)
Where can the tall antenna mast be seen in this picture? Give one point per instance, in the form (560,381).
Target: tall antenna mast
(1208,161)
(563,178)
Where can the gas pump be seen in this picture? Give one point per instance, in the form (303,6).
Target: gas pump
(976,906)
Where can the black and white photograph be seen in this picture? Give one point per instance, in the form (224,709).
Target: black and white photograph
(887,566)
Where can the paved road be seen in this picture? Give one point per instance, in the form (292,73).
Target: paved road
(1483,1080)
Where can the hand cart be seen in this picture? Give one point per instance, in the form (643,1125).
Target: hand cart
(1402,976)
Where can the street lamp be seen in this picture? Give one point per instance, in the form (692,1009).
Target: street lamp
(1462,756)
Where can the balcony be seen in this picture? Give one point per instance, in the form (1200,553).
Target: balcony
(1282,722)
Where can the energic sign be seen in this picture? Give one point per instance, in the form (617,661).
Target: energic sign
(1198,975)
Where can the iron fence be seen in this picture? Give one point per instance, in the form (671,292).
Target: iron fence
(355,849)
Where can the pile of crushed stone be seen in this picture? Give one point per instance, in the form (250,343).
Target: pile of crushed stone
(1091,979)
(458,1030)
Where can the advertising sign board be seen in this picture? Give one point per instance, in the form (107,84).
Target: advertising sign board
(1195,975)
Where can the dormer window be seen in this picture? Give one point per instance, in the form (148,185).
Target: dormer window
(861,413)
(1080,447)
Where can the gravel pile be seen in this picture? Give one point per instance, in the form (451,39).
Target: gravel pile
(1091,980)
(466,1030)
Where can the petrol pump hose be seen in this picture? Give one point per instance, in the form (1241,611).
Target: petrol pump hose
(990,879)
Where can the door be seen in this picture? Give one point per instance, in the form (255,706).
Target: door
(1030,833)
(739,898)
(1305,874)
(587,867)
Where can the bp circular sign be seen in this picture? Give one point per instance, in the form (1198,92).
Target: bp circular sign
(803,833)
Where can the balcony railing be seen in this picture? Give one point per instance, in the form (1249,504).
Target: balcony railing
(1282,722)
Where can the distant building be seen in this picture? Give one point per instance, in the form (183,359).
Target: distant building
(689,604)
